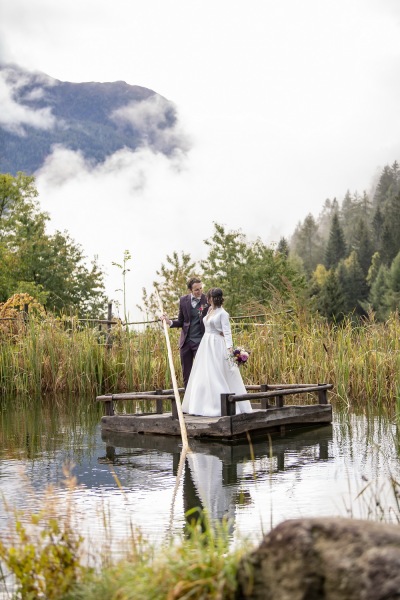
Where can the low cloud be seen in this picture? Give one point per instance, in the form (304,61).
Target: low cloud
(156,118)
(15,116)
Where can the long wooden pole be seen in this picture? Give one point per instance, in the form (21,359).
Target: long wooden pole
(182,424)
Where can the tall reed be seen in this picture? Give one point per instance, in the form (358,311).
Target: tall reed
(51,356)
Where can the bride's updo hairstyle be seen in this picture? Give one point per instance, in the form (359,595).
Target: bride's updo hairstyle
(217,297)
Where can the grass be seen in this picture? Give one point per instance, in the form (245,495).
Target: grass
(52,356)
(42,556)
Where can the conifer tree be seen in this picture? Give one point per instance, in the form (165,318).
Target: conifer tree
(374,268)
(283,247)
(378,296)
(377,225)
(394,284)
(330,302)
(307,243)
(391,243)
(352,280)
(362,243)
(336,247)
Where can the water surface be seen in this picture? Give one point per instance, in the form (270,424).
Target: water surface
(129,481)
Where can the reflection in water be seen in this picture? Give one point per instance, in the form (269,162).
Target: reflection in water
(308,473)
(216,475)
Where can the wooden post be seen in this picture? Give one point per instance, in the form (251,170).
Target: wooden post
(109,317)
(279,401)
(228,409)
(109,407)
(264,401)
(185,443)
(159,403)
(174,410)
(322,396)
(25,313)
(110,453)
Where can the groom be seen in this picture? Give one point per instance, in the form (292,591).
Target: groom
(192,308)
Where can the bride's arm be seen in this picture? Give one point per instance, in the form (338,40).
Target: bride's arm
(226,329)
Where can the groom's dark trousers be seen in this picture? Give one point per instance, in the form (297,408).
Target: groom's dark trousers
(190,319)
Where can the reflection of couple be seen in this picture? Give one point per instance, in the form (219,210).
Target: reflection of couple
(206,334)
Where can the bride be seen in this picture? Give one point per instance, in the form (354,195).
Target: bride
(213,372)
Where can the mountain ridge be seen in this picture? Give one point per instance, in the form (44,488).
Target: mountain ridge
(93,118)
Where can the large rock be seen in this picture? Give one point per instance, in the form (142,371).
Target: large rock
(324,559)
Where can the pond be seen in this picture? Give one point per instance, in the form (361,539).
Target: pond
(125,483)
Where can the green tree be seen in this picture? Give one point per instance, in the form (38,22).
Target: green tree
(171,284)
(388,185)
(324,220)
(283,247)
(353,284)
(363,245)
(53,266)
(377,224)
(307,243)
(330,300)
(393,294)
(336,247)
(225,265)
(374,268)
(391,228)
(378,296)
(17,200)
(247,272)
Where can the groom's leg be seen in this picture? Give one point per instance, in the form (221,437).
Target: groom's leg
(188,352)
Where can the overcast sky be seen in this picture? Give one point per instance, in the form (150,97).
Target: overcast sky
(285,104)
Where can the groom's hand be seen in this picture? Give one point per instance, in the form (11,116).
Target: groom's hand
(166,318)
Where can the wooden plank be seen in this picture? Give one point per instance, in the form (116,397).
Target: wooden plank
(221,427)
(165,424)
(282,392)
(274,418)
(134,396)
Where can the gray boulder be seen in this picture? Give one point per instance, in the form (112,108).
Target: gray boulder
(324,559)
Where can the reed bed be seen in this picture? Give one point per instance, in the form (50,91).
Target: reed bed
(362,360)
(43,555)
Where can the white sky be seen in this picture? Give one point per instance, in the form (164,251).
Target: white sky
(286,104)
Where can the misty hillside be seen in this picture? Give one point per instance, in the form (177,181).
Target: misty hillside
(39,113)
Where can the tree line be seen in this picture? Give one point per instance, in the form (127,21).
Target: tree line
(344,262)
(350,253)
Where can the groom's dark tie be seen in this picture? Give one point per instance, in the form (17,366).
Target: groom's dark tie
(195,302)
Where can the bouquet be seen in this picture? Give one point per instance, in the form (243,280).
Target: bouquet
(239,356)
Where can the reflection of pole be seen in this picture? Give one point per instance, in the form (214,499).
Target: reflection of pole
(174,383)
(177,481)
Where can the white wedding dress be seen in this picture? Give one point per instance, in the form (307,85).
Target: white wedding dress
(213,373)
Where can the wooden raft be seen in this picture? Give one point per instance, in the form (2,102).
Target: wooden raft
(266,417)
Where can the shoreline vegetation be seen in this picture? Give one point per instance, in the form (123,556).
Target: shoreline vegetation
(56,359)
(43,556)
(49,356)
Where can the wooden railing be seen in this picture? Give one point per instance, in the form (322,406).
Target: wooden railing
(264,393)
(276,392)
(159,396)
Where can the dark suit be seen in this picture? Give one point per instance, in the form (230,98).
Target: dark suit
(188,347)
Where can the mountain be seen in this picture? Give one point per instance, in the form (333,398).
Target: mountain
(40,113)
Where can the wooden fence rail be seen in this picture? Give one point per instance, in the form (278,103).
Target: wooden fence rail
(228,400)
